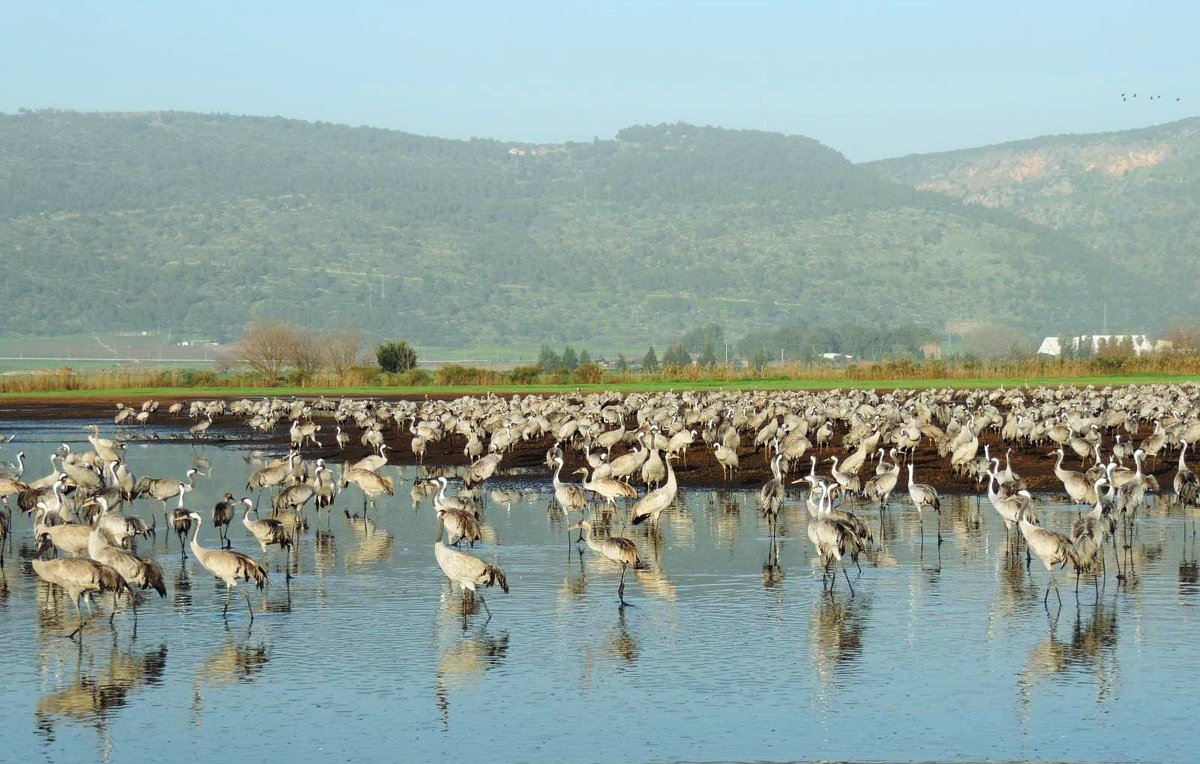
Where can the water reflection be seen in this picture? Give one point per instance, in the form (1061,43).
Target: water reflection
(371,543)
(235,661)
(181,593)
(621,644)
(617,648)
(836,633)
(772,571)
(724,512)
(462,664)
(325,553)
(573,586)
(91,696)
(1090,652)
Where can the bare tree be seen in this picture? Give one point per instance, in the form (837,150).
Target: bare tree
(343,349)
(307,355)
(268,348)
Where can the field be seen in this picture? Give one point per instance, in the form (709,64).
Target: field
(128,393)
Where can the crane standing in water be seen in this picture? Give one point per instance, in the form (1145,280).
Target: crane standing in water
(80,577)
(617,549)
(229,566)
(467,570)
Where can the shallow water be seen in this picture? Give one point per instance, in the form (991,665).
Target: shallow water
(725,654)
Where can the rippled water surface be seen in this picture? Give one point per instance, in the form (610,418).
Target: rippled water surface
(729,651)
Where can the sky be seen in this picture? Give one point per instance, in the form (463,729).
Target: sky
(871,80)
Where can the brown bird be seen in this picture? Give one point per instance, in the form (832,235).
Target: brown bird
(222,516)
(144,574)
(460,525)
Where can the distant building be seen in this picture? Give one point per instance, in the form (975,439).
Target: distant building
(932,351)
(837,357)
(1140,344)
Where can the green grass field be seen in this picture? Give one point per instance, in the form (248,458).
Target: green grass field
(135,393)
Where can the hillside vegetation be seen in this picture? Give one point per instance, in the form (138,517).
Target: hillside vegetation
(1133,197)
(196,224)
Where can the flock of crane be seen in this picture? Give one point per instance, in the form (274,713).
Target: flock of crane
(82,508)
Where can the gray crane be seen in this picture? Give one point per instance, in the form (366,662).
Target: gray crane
(467,570)
(80,576)
(616,549)
(229,566)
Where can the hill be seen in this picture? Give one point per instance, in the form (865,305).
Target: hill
(195,224)
(1132,196)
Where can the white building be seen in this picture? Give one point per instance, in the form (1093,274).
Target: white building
(1140,343)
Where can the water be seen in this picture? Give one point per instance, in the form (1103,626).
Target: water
(724,655)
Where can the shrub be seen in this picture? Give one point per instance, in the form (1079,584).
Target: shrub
(454,374)
(525,375)
(396,357)
(589,374)
(414,378)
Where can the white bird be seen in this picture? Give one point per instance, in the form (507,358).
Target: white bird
(650,506)
(610,489)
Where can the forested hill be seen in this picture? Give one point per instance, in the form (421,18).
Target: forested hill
(197,223)
(1132,196)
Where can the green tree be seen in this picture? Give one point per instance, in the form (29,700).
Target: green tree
(676,356)
(760,359)
(622,364)
(650,360)
(695,340)
(396,357)
(584,357)
(708,358)
(548,360)
(570,361)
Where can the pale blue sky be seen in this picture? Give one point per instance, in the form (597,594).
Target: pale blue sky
(869,79)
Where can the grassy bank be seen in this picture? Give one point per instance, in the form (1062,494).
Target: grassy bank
(457,380)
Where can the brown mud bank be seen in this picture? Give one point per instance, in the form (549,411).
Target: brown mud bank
(700,471)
